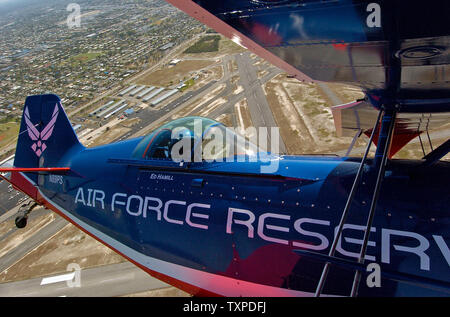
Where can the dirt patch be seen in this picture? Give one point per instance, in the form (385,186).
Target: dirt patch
(130,122)
(217,72)
(292,129)
(304,117)
(230,66)
(109,135)
(172,75)
(243,118)
(226,46)
(70,245)
(262,73)
(238,90)
(413,150)
(346,93)
(235,66)
(226,119)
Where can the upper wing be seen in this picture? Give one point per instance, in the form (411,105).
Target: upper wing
(254,39)
(396,51)
(34,169)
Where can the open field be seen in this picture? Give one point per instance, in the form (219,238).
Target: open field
(8,133)
(226,47)
(217,72)
(346,93)
(109,135)
(304,117)
(172,75)
(82,58)
(209,43)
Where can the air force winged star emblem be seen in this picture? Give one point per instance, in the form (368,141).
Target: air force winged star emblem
(39,137)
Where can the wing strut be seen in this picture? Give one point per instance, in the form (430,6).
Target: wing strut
(437,154)
(355,185)
(355,138)
(381,156)
(384,142)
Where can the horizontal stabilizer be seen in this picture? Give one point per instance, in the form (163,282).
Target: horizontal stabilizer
(35,169)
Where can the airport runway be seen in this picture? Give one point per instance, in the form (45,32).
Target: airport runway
(258,106)
(9,198)
(104,281)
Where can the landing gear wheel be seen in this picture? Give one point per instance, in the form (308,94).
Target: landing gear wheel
(22,214)
(21,221)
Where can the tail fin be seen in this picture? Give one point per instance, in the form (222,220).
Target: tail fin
(46,135)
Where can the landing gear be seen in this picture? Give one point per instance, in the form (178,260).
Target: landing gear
(22,214)
(21,221)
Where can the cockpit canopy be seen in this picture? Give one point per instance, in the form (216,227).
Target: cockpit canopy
(193,139)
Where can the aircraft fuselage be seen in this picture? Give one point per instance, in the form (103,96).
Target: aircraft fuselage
(223,228)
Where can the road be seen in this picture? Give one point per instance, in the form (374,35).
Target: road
(109,280)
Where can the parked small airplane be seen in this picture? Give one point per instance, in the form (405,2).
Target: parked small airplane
(220,225)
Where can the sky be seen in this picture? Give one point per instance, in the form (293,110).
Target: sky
(15,3)
(8,5)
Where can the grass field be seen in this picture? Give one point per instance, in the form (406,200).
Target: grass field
(8,133)
(226,46)
(206,44)
(82,58)
(188,83)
